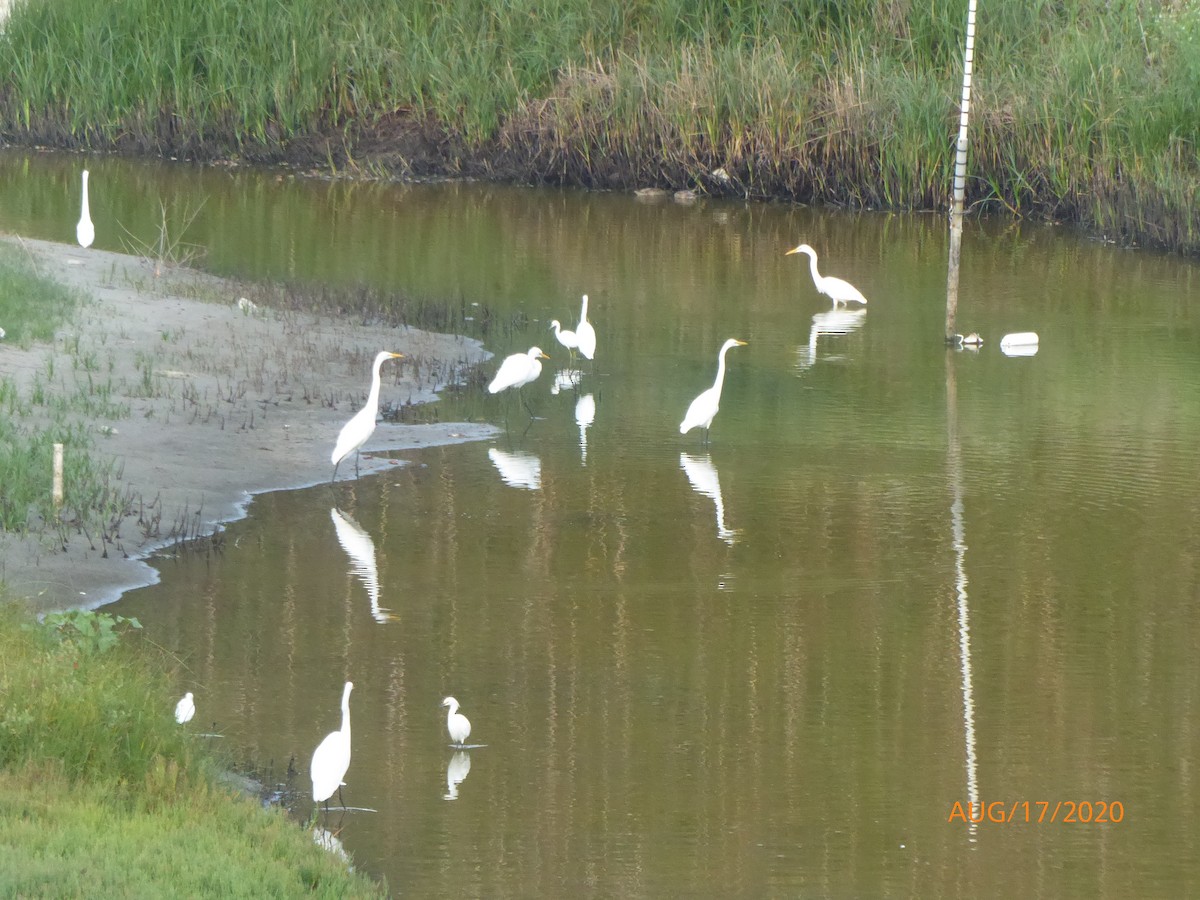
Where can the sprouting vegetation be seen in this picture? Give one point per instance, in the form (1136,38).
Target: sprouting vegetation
(1087,111)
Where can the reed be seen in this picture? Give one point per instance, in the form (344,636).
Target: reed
(1088,111)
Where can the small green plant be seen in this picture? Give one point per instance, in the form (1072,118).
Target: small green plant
(89,631)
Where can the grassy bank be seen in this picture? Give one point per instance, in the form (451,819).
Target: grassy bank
(1087,111)
(102,794)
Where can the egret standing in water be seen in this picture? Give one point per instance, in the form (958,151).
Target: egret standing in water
(517,371)
(85,232)
(835,289)
(185,708)
(331,759)
(355,432)
(457,724)
(568,339)
(585,333)
(705,407)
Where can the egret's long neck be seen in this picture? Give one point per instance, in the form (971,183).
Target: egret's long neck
(373,396)
(812,267)
(720,370)
(85,194)
(346,714)
(583,312)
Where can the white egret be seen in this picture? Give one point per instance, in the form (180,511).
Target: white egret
(85,232)
(835,289)
(331,759)
(517,371)
(355,432)
(705,407)
(456,723)
(568,339)
(185,708)
(585,333)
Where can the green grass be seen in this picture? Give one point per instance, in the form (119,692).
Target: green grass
(102,794)
(32,306)
(1088,111)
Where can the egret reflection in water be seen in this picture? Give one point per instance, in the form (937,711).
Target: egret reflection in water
(518,468)
(702,474)
(830,322)
(361,550)
(566,380)
(585,414)
(456,773)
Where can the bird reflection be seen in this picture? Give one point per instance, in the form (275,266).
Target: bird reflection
(832,321)
(328,841)
(703,475)
(566,380)
(585,414)
(361,550)
(456,773)
(518,468)
(1019,343)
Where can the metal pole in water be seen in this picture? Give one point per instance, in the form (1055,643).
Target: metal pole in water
(960,179)
(58,476)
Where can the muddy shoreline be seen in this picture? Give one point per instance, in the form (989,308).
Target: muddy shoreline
(225,399)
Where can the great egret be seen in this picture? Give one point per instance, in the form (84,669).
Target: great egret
(585,333)
(456,723)
(835,289)
(517,371)
(331,759)
(185,708)
(355,432)
(568,339)
(85,232)
(361,549)
(705,406)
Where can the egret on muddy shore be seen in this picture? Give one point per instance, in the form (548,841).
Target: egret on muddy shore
(355,432)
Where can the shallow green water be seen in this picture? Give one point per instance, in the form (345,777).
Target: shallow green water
(897,579)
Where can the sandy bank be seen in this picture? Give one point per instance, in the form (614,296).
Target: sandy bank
(224,402)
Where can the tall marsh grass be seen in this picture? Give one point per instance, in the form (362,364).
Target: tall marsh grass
(1087,110)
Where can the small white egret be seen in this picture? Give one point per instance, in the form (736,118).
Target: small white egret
(456,723)
(835,289)
(585,333)
(517,371)
(355,432)
(85,232)
(331,759)
(185,708)
(568,339)
(705,407)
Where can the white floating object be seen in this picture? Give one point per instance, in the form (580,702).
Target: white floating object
(1019,343)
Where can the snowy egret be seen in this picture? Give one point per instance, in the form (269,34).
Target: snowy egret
(705,406)
(585,333)
(834,288)
(517,371)
(355,432)
(85,232)
(331,759)
(568,339)
(456,723)
(185,708)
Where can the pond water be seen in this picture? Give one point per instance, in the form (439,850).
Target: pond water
(898,580)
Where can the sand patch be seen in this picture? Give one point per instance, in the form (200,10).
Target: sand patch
(221,400)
